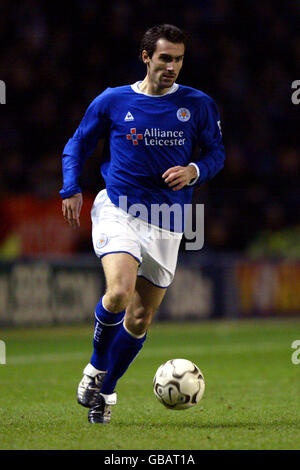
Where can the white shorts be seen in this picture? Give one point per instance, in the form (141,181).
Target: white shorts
(116,231)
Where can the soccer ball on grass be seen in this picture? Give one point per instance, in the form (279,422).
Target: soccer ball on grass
(178,384)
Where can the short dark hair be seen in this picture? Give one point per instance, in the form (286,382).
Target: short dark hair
(165,31)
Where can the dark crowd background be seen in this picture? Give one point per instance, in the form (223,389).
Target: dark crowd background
(57,56)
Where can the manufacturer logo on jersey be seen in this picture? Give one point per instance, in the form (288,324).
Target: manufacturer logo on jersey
(129,117)
(134,137)
(102,240)
(183,114)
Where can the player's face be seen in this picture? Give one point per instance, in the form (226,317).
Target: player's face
(165,63)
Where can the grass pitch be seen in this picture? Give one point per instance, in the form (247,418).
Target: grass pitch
(251,401)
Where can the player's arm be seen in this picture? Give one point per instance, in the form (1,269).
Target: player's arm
(210,141)
(93,126)
(212,151)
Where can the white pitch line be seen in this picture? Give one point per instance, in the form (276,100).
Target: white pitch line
(212,350)
(50,357)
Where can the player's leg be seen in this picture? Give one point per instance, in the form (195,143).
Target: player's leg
(156,271)
(127,344)
(143,305)
(132,334)
(120,271)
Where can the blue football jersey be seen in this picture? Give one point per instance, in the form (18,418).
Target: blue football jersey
(146,135)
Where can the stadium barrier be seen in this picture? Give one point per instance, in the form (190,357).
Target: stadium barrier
(41,291)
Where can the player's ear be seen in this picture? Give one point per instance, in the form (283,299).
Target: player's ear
(145,57)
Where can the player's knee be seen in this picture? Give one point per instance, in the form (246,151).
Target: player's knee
(118,298)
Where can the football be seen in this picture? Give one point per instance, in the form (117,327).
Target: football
(178,384)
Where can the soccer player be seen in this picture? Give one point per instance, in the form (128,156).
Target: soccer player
(150,128)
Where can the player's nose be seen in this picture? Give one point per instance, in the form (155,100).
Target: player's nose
(171,66)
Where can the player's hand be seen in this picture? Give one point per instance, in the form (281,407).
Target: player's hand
(179,176)
(71,208)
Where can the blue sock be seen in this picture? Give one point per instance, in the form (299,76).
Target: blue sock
(123,351)
(107,325)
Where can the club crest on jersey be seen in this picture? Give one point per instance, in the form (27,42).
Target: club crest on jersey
(102,240)
(183,114)
(129,117)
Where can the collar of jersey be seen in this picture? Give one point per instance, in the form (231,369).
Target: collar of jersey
(135,88)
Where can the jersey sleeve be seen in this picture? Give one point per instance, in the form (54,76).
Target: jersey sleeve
(94,125)
(212,154)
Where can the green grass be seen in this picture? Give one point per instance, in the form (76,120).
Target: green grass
(252,397)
